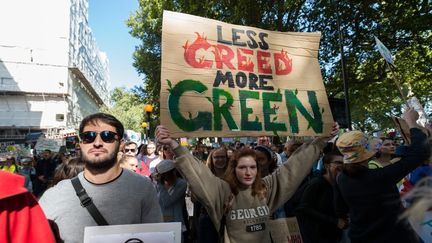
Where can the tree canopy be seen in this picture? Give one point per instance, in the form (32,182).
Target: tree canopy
(403,26)
(128,108)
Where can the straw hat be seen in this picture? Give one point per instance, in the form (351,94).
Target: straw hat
(355,147)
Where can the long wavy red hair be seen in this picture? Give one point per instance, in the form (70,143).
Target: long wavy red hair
(258,187)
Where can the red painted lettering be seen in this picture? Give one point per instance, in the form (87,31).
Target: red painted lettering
(283,64)
(263,59)
(224,55)
(191,52)
(243,63)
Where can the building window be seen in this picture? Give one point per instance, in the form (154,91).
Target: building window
(60,117)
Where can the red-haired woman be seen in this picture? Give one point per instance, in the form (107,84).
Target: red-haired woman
(244,200)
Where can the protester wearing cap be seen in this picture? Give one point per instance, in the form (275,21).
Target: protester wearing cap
(172,192)
(370,196)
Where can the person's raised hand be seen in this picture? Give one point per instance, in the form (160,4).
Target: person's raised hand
(163,137)
(334,132)
(342,223)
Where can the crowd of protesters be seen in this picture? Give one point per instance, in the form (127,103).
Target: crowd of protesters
(331,185)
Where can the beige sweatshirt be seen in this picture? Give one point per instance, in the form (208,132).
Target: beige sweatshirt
(247,219)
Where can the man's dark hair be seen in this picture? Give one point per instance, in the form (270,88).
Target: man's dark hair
(330,155)
(105,118)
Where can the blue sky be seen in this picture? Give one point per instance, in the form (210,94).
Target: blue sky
(107,19)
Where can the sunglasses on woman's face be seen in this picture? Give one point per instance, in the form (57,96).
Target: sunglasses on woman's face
(106,136)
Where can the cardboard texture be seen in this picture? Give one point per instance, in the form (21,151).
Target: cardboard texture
(226,80)
(285,230)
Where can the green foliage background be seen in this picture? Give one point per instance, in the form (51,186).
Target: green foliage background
(403,26)
(128,108)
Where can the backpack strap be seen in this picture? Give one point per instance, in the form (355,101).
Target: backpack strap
(87,202)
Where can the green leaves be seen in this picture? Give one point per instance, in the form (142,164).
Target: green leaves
(127,107)
(402,26)
(169,85)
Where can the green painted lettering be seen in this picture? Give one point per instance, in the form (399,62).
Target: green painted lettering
(219,111)
(247,125)
(269,125)
(203,119)
(293,103)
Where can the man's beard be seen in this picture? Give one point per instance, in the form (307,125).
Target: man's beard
(100,166)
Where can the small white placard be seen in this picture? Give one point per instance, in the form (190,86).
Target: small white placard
(424,230)
(134,233)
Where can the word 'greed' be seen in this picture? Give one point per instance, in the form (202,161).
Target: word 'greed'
(223,55)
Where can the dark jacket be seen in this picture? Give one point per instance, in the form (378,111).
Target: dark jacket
(372,198)
(316,214)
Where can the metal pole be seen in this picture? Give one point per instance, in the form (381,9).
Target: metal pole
(148,126)
(396,80)
(344,77)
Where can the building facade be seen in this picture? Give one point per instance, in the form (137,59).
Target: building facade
(52,73)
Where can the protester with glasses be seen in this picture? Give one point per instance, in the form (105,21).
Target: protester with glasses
(315,213)
(130,148)
(144,163)
(105,182)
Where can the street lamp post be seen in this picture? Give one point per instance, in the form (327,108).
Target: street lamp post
(148,110)
(144,125)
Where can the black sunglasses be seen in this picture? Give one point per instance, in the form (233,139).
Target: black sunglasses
(129,150)
(106,136)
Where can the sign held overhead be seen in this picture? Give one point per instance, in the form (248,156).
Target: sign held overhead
(227,80)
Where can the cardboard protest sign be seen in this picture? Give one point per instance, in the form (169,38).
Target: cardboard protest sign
(415,103)
(228,80)
(48,144)
(403,129)
(285,230)
(385,53)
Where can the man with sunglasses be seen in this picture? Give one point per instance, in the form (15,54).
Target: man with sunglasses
(105,182)
(130,148)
